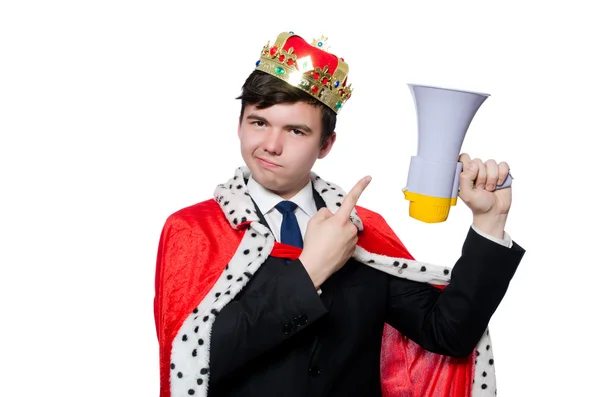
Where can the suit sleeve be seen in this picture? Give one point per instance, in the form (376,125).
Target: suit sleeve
(451,321)
(262,319)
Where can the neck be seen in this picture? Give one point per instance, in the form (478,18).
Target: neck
(288,194)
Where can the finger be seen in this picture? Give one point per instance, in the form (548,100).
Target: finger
(352,197)
(503,170)
(491,169)
(465,159)
(481,174)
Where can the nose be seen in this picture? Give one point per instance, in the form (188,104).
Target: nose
(273,142)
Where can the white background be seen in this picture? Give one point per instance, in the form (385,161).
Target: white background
(115,114)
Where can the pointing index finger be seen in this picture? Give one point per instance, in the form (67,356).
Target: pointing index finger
(352,197)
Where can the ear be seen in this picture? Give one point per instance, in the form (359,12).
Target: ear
(327,145)
(240,123)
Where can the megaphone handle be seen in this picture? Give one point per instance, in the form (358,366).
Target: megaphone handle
(506,183)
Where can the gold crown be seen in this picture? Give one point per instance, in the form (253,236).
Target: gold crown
(307,67)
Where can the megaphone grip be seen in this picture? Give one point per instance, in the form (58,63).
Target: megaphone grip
(438,178)
(507,182)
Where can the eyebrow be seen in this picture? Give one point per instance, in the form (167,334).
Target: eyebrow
(302,127)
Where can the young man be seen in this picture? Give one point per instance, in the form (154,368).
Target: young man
(282,286)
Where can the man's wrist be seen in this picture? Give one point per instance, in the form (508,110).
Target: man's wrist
(492,224)
(314,271)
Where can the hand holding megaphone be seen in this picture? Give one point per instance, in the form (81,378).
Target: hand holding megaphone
(482,185)
(444,115)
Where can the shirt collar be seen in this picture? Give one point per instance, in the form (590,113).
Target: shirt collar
(266,200)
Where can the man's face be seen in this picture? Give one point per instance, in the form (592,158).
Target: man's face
(281,144)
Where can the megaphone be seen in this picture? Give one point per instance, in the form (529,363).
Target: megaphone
(443,117)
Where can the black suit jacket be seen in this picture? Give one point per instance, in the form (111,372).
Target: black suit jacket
(278,337)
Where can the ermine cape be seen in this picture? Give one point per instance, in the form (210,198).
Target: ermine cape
(209,251)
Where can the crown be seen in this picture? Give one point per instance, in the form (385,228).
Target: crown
(307,67)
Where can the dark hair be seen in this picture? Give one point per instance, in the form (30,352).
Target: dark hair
(263,90)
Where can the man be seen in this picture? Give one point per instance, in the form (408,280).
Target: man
(282,286)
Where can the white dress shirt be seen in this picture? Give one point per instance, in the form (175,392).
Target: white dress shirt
(266,201)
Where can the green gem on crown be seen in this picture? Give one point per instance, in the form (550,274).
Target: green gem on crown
(279,70)
(338,105)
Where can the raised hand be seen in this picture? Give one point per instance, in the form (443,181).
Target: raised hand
(331,239)
(489,205)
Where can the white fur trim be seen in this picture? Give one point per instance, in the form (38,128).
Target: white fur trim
(484,378)
(190,354)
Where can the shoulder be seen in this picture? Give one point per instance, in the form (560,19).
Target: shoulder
(378,237)
(198,218)
(370,217)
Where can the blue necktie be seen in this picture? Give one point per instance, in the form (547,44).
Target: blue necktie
(290,231)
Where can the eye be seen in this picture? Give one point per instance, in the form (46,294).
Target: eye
(258,123)
(297,132)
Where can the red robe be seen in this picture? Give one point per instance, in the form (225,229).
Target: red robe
(207,253)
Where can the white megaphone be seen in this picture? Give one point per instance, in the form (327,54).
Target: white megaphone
(443,115)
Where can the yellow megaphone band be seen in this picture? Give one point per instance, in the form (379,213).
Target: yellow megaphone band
(429,209)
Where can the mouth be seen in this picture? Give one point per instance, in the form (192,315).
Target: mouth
(266,163)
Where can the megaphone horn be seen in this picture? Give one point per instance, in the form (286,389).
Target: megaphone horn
(443,118)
